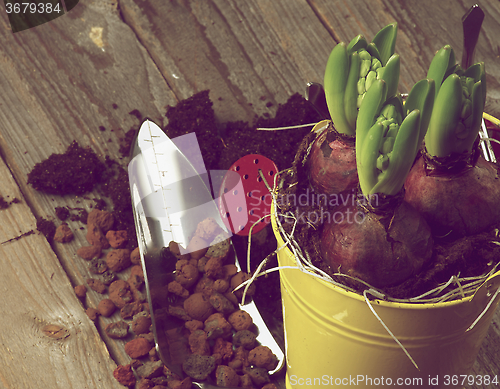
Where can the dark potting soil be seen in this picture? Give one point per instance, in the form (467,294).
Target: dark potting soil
(4,204)
(469,256)
(46,227)
(195,114)
(75,172)
(79,171)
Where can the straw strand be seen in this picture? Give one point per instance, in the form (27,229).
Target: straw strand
(387,329)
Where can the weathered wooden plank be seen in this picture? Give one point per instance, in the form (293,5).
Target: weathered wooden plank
(46,339)
(60,82)
(245,52)
(423,28)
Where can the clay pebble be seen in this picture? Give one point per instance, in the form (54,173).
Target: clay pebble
(117,330)
(92,313)
(244,338)
(198,307)
(80,291)
(217,326)
(102,219)
(193,325)
(187,275)
(197,247)
(262,356)
(198,342)
(138,348)
(199,367)
(258,375)
(96,237)
(221,304)
(226,377)
(124,375)
(240,320)
(176,288)
(96,285)
(120,293)
(63,234)
(224,349)
(150,369)
(129,310)
(89,252)
(237,280)
(106,307)
(219,247)
(141,323)
(97,266)
(135,256)
(117,239)
(213,268)
(118,259)
(208,229)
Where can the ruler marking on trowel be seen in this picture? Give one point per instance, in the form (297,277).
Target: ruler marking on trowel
(161,186)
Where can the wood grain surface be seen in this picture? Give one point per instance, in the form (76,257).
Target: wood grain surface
(47,340)
(63,80)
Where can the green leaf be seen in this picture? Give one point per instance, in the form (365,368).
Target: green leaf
(442,63)
(373,50)
(390,74)
(385,40)
(356,44)
(367,162)
(444,118)
(336,72)
(351,92)
(421,97)
(478,102)
(478,73)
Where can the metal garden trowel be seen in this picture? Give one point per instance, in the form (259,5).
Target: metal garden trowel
(169,187)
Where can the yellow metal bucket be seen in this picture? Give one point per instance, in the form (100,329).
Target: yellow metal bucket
(333,339)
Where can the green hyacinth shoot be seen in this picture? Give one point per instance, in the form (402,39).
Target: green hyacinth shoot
(459,105)
(351,70)
(389,135)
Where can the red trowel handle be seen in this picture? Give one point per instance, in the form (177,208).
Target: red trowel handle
(245,198)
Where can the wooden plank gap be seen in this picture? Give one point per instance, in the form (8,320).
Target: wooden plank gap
(324,20)
(122,12)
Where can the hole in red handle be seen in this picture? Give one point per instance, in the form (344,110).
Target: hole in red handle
(250,201)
